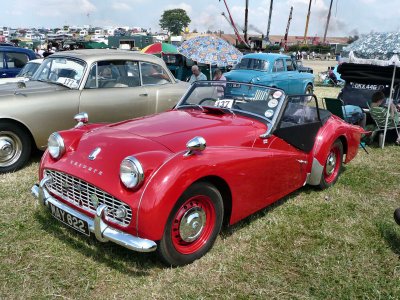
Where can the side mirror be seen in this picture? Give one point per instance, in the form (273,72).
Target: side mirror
(21,84)
(81,118)
(198,143)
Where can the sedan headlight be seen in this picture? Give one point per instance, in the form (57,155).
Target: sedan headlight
(131,172)
(56,145)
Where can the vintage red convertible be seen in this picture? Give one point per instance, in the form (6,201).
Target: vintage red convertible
(168,182)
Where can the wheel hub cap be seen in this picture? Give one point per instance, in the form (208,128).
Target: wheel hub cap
(6,149)
(192,224)
(10,148)
(330,163)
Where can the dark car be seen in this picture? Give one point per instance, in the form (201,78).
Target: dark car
(13,59)
(303,68)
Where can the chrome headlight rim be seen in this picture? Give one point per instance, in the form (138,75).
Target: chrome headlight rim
(131,182)
(57,150)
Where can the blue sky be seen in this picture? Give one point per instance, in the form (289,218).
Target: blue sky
(348,17)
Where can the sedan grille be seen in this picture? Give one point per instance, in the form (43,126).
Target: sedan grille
(83,194)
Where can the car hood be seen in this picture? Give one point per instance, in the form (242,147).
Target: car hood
(32,87)
(244,75)
(175,128)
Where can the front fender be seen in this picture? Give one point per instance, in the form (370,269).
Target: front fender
(170,180)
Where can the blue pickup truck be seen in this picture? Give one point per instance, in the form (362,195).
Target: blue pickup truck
(13,59)
(275,70)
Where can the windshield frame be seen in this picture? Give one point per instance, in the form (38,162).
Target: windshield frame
(46,68)
(251,62)
(268,93)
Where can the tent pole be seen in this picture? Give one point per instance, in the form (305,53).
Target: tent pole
(211,78)
(389,104)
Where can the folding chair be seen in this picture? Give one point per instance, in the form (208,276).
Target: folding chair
(379,117)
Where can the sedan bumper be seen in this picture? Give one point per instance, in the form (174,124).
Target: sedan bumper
(101,230)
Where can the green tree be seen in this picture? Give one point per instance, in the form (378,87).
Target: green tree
(174,20)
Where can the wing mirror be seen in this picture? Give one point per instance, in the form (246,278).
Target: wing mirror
(21,84)
(197,143)
(81,118)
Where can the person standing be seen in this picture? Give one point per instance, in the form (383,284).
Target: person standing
(197,75)
(218,75)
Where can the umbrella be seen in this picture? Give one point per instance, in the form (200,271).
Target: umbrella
(210,50)
(377,49)
(160,48)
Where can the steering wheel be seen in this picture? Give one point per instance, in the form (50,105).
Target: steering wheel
(207,99)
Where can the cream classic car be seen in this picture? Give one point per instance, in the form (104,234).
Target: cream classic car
(109,85)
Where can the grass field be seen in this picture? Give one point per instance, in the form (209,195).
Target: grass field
(340,243)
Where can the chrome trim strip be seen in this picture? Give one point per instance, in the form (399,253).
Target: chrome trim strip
(101,230)
(316,173)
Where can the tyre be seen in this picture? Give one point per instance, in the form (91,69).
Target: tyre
(192,226)
(309,90)
(15,147)
(333,165)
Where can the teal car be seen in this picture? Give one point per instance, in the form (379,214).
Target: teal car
(275,70)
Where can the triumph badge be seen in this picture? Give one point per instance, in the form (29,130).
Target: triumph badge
(95,152)
(95,200)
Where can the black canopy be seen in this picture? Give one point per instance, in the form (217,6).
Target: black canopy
(368,74)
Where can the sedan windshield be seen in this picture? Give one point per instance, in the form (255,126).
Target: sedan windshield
(256,101)
(61,70)
(252,64)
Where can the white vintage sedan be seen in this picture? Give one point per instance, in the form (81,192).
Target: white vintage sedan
(109,85)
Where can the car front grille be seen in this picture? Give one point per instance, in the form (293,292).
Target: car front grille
(81,194)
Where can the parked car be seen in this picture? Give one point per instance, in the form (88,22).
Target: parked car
(303,68)
(26,72)
(13,59)
(275,70)
(181,66)
(135,184)
(110,85)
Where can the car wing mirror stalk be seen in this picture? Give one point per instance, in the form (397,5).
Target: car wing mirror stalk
(197,143)
(82,118)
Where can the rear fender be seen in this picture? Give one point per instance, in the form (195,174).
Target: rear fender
(333,130)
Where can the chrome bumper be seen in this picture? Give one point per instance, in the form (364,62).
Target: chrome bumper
(101,230)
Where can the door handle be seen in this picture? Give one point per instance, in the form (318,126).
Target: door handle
(4,74)
(143,95)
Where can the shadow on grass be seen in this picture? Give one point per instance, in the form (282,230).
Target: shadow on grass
(390,235)
(114,256)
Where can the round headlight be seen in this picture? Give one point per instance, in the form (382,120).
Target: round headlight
(131,172)
(56,145)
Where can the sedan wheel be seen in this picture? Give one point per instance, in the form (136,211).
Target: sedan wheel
(333,165)
(15,147)
(193,225)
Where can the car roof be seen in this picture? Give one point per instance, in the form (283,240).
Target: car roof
(91,55)
(16,49)
(265,56)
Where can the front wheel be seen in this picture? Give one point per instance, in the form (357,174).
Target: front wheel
(15,147)
(193,225)
(333,165)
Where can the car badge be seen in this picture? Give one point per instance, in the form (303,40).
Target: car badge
(95,152)
(95,200)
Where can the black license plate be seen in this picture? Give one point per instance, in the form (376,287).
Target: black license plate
(70,220)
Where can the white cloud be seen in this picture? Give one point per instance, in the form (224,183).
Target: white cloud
(182,5)
(121,6)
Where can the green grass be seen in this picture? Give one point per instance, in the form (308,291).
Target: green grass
(340,243)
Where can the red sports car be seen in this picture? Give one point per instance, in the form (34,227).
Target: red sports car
(167,182)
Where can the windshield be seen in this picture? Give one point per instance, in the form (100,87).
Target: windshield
(256,101)
(61,70)
(28,70)
(252,64)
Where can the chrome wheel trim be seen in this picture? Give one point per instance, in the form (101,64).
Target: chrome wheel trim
(10,148)
(192,224)
(330,163)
